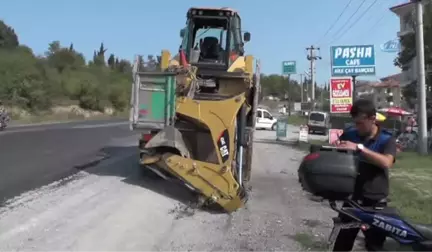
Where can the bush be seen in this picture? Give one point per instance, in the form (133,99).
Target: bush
(62,75)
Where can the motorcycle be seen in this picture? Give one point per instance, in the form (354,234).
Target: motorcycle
(330,173)
(4,120)
(386,220)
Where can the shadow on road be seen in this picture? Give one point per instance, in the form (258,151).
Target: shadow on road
(132,173)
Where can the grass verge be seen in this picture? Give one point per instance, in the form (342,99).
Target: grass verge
(296,120)
(309,242)
(411,186)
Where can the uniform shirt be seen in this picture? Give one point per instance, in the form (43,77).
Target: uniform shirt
(373,181)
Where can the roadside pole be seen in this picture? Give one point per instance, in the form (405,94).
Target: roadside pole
(289,95)
(301,87)
(421,81)
(354,95)
(288,68)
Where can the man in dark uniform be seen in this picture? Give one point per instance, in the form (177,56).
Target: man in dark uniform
(377,150)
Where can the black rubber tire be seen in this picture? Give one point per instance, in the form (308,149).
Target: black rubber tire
(273,127)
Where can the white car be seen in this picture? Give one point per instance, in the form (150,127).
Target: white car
(265,120)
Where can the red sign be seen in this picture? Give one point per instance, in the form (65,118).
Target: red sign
(341,93)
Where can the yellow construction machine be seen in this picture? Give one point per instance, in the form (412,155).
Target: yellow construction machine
(196,111)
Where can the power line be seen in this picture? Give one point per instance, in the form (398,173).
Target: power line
(373,27)
(355,12)
(334,23)
(356,21)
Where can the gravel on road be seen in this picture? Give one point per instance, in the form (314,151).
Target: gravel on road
(113,206)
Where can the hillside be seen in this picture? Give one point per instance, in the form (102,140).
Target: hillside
(61,80)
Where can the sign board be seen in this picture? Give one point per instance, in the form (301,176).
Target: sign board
(289,67)
(303,133)
(297,106)
(281,129)
(352,60)
(391,46)
(341,95)
(334,135)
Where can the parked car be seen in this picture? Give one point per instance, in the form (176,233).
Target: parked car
(319,122)
(265,120)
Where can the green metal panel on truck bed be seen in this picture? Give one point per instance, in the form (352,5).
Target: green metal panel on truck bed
(155,100)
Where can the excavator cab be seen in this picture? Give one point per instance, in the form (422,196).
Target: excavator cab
(212,38)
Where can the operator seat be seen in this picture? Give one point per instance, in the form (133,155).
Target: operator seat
(210,48)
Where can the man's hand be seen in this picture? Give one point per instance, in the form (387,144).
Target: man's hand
(347,145)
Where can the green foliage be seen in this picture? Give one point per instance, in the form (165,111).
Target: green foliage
(8,38)
(278,86)
(37,83)
(408,43)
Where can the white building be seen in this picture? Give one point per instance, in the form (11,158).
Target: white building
(406,14)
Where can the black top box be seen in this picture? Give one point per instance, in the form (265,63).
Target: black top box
(329,172)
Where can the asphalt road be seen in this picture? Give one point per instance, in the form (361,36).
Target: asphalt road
(51,205)
(35,155)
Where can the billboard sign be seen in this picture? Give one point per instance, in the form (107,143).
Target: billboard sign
(352,60)
(341,95)
(289,67)
(391,46)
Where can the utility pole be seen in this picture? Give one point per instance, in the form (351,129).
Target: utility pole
(312,58)
(289,95)
(421,80)
(354,91)
(301,87)
(307,74)
(322,96)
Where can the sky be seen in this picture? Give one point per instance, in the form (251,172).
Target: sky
(281,29)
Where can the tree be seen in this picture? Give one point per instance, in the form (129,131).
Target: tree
(278,86)
(60,76)
(8,38)
(61,57)
(99,56)
(405,57)
(111,61)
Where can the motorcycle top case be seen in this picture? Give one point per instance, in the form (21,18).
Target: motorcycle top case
(330,173)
